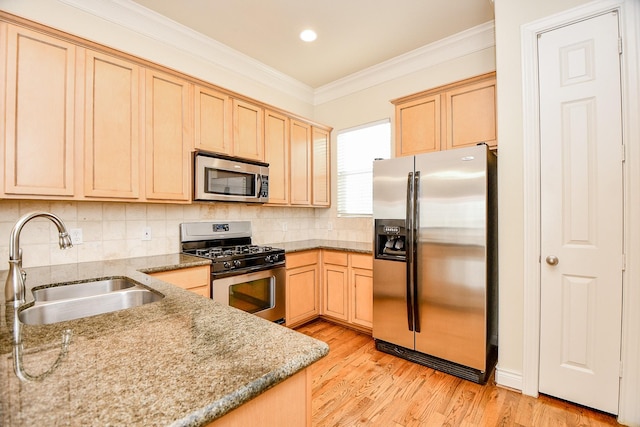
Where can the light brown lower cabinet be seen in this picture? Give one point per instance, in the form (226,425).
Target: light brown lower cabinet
(194,279)
(347,287)
(286,404)
(334,284)
(361,290)
(302,287)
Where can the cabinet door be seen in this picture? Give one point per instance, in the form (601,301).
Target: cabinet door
(112,127)
(302,294)
(335,299)
(471,115)
(302,287)
(39,113)
(321,168)
(361,282)
(168,137)
(300,163)
(276,147)
(335,284)
(418,125)
(248,130)
(213,123)
(194,279)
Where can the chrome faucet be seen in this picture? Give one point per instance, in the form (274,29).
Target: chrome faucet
(14,289)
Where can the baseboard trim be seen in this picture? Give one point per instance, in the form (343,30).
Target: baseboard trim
(508,378)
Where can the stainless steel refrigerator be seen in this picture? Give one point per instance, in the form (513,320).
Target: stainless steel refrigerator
(435,263)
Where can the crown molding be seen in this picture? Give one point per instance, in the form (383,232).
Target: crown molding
(464,43)
(136,18)
(155,26)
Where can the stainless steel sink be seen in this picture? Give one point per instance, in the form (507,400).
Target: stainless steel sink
(85,299)
(84,289)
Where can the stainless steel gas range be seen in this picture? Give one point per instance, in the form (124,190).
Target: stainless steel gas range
(243,275)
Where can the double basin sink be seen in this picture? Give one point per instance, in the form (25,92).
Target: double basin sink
(90,298)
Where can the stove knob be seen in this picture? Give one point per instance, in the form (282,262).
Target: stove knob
(227,264)
(271,258)
(237,263)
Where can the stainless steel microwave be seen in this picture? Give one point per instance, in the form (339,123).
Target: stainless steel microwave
(228,179)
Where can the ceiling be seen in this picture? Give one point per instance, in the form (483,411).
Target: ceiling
(352,34)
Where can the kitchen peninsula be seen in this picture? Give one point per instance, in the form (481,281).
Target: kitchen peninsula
(181,361)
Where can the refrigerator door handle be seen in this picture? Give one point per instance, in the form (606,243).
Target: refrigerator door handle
(409,251)
(414,243)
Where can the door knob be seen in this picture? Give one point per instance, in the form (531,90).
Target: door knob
(552,260)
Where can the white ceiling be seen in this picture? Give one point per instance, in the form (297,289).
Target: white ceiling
(352,34)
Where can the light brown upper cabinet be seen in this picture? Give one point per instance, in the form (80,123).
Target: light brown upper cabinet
(471,114)
(321,167)
(39,104)
(112,140)
(418,126)
(276,153)
(300,163)
(248,130)
(213,120)
(460,114)
(83,121)
(168,137)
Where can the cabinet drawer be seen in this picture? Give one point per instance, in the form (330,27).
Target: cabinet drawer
(186,278)
(362,261)
(299,259)
(336,258)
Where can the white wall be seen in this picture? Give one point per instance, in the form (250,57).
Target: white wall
(509,17)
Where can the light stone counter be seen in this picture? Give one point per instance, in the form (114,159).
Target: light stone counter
(181,361)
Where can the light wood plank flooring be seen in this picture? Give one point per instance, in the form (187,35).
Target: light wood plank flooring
(356,385)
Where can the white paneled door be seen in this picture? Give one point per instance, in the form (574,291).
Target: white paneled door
(581,212)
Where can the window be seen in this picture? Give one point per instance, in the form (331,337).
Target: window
(357,148)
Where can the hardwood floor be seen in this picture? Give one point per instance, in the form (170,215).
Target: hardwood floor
(356,385)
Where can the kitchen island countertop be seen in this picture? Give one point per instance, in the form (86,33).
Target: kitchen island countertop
(181,361)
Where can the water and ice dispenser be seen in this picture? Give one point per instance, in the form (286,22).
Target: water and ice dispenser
(391,239)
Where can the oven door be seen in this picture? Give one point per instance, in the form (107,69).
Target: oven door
(261,293)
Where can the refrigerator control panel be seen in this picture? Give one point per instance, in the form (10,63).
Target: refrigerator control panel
(389,229)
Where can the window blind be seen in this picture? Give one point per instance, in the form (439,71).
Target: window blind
(357,148)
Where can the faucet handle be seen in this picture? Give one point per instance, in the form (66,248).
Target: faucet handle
(24,275)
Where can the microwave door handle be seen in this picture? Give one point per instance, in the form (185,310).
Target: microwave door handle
(258,185)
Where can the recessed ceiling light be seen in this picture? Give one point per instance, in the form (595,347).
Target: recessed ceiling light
(308,35)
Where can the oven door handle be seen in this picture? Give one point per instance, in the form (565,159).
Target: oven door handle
(246,270)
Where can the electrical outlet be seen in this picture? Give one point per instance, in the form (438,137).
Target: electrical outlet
(284,226)
(76,236)
(329,226)
(146,233)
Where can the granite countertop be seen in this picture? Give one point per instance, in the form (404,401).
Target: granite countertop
(181,361)
(339,245)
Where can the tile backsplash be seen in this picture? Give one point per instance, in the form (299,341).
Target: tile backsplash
(115,230)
